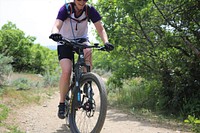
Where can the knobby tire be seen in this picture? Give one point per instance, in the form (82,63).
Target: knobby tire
(75,127)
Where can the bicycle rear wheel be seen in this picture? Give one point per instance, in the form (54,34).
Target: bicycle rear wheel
(90,116)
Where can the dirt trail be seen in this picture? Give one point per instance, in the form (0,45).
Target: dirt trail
(43,119)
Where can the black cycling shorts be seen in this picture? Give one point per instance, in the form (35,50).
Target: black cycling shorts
(67,51)
(64,52)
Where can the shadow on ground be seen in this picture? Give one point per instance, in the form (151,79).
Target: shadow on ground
(118,116)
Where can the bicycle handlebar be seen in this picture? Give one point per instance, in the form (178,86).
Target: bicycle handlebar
(75,44)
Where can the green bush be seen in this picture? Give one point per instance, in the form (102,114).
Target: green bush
(22,84)
(133,93)
(51,80)
(26,84)
(136,93)
(5,67)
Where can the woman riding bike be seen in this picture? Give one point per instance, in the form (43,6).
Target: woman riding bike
(72,23)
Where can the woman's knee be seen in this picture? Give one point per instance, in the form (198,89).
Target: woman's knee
(66,67)
(88,52)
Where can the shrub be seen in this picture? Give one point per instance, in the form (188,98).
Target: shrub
(135,93)
(26,84)
(22,84)
(195,122)
(51,80)
(5,67)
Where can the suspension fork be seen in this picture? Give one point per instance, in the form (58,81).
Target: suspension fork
(77,70)
(77,84)
(78,74)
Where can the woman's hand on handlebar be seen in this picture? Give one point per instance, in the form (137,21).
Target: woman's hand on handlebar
(56,37)
(108,46)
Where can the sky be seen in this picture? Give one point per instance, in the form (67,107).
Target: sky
(34,17)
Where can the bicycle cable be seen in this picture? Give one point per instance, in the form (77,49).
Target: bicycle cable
(73,30)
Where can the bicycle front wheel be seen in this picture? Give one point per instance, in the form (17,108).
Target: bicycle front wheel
(89,117)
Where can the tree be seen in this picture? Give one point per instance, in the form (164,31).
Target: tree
(15,44)
(27,56)
(157,40)
(43,59)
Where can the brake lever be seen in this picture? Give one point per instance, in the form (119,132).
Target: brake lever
(102,48)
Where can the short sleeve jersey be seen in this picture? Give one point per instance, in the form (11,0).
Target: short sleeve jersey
(72,29)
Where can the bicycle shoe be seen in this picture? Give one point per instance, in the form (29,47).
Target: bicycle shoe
(61,110)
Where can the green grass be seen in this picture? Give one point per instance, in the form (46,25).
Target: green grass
(14,97)
(132,94)
(4,110)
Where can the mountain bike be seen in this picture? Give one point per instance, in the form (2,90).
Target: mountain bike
(86,101)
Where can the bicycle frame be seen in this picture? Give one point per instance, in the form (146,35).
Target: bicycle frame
(78,71)
(77,68)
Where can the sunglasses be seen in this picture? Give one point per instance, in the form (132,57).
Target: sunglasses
(83,0)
